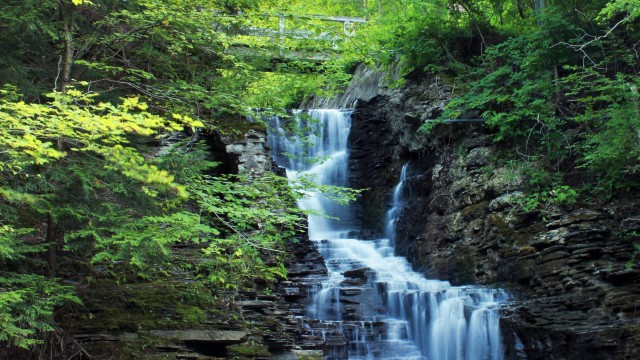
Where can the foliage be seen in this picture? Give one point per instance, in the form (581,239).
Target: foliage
(76,125)
(27,303)
(92,88)
(192,57)
(609,109)
(44,147)
(561,195)
(229,203)
(632,237)
(438,35)
(514,88)
(257,218)
(556,84)
(292,89)
(613,8)
(564,100)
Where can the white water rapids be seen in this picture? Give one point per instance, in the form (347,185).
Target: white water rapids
(372,301)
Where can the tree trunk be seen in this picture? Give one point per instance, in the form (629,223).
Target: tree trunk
(541,4)
(52,250)
(67,15)
(556,81)
(476,24)
(365,6)
(539,7)
(520,10)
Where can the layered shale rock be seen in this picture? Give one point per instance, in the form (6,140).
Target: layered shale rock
(574,270)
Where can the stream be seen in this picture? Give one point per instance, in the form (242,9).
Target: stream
(372,305)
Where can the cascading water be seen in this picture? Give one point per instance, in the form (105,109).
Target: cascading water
(398,203)
(372,304)
(321,152)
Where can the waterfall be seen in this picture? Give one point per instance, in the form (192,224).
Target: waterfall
(396,207)
(372,305)
(317,150)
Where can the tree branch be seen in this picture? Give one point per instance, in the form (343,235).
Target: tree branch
(581,47)
(244,237)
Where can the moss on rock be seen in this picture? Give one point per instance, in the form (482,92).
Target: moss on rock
(249,350)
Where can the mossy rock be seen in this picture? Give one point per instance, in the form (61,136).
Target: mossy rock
(500,228)
(475,211)
(248,351)
(459,266)
(191,314)
(130,307)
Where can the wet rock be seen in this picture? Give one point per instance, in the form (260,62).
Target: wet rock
(298,270)
(578,216)
(255,304)
(631,224)
(505,201)
(292,292)
(213,337)
(626,276)
(477,158)
(362,273)
(358,277)
(554,254)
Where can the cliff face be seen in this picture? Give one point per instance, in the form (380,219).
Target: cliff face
(573,270)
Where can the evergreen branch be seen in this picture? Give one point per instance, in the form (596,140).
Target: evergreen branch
(244,237)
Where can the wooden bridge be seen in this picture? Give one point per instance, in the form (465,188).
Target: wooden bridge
(277,51)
